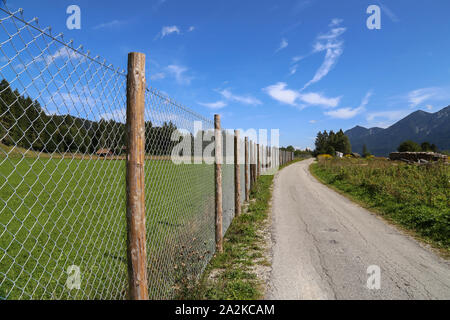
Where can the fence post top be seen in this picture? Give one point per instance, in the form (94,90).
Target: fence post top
(136,54)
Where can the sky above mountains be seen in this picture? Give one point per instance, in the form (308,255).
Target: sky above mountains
(298,65)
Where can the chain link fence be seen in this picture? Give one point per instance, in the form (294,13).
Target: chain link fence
(62,167)
(62,176)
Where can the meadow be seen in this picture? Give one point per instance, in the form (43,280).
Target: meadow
(415,197)
(61,212)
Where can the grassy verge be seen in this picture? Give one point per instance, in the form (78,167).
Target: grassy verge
(229,275)
(415,198)
(232,275)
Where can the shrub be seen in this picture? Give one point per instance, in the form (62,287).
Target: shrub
(322,157)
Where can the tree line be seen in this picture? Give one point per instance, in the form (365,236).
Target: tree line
(24,123)
(331,142)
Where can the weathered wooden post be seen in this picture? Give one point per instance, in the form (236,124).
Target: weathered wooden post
(136,242)
(252,164)
(258,161)
(237,175)
(218,179)
(247,182)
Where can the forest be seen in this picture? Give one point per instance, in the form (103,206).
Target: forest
(24,123)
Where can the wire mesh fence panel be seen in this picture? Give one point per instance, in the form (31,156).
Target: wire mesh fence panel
(179,197)
(228,201)
(62,168)
(242,169)
(62,175)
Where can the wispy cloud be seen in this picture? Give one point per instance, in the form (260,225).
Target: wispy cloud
(158,76)
(347,113)
(179,72)
(111,24)
(191,28)
(335,22)
(297,59)
(280,93)
(344,113)
(317,99)
(249,100)
(332,45)
(419,96)
(213,105)
(283,45)
(293,69)
(62,53)
(389,12)
(384,119)
(167,30)
(301,5)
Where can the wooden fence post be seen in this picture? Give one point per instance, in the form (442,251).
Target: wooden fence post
(136,242)
(246,167)
(258,161)
(252,161)
(218,179)
(237,175)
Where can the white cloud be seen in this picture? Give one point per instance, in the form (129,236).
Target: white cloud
(419,96)
(334,48)
(317,99)
(388,115)
(241,99)
(389,13)
(280,93)
(365,100)
(344,113)
(347,113)
(422,97)
(213,105)
(283,45)
(293,69)
(384,119)
(62,53)
(179,73)
(312,121)
(165,31)
(111,24)
(297,59)
(158,76)
(191,28)
(335,22)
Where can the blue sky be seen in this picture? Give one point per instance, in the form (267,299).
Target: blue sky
(298,65)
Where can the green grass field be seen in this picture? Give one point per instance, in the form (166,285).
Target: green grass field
(61,212)
(415,197)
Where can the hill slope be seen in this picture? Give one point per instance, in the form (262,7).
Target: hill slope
(419,126)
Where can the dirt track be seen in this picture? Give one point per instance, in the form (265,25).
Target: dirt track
(324,244)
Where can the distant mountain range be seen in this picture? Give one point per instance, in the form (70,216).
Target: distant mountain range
(419,126)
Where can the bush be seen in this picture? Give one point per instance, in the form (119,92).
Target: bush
(409,146)
(322,157)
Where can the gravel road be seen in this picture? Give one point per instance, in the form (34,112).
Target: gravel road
(324,243)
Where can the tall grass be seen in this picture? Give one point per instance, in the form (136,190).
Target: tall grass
(416,197)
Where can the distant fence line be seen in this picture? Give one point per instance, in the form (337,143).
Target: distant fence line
(89,211)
